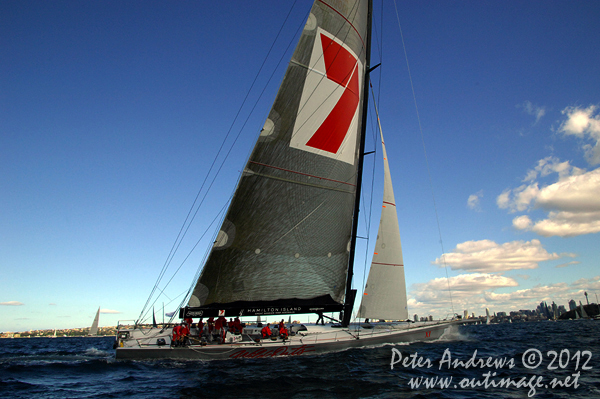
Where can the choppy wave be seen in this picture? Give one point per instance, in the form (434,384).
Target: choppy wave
(86,368)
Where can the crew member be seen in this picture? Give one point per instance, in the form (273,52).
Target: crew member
(220,323)
(200,327)
(266,331)
(320,313)
(237,325)
(211,324)
(283,333)
(176,335)
(184,332)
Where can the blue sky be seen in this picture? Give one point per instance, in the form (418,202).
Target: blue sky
(111,114)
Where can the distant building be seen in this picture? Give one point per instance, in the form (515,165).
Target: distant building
(416,318)
(572,305)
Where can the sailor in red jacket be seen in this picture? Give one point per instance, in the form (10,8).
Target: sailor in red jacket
(237,325)
(283,333)
(266,331)
(220,323)
(176,335)
(184,331)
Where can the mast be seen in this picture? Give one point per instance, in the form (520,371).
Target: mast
(283,246)
(350,293)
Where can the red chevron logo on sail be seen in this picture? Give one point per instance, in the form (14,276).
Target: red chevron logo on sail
(327,119)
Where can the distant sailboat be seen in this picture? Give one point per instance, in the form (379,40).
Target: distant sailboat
(487,316)
(584,314)
(94,327)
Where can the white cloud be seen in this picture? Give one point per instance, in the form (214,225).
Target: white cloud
(585,124)
(572,200)
(488,256)
(12,303)
(476,291)
(529,298)
(109,311)
(522,223)
(533,110)
(473,201)
(466,289)
(527,195)
(584,284)
(550,165)
(533,296)
(573,204)
(567,224)
(568,264)
(574,193)
(503,200)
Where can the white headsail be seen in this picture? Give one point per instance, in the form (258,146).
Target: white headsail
(94,327)
(385,292)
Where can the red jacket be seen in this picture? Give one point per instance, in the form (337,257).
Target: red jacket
(185,330)
(266,331)
(220,323)
(283,332)
(176,332)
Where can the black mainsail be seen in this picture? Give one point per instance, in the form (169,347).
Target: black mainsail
(286,243)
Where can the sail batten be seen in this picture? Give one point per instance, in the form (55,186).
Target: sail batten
(285,237)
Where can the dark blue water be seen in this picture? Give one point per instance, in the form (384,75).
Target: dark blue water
(86,368)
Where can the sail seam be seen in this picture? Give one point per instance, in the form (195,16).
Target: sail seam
(300,173)
(301,183)
(345,19)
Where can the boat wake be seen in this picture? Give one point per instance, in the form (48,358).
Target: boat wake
(452,333)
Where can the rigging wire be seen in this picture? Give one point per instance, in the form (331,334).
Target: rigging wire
(188,221)
(215,219)
(426,159)
(227,155)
